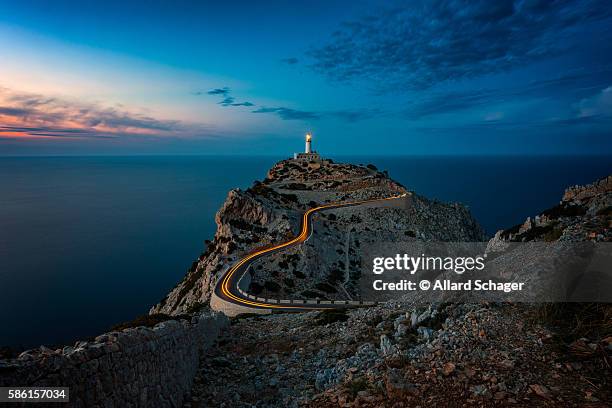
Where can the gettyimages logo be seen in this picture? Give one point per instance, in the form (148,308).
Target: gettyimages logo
(411,264)
(469,272)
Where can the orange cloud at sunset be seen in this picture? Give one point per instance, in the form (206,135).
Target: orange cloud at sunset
(28,115)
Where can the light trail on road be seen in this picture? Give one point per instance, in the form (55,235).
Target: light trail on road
(229,282)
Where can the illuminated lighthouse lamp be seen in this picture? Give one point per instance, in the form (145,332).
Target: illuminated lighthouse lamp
(309,155)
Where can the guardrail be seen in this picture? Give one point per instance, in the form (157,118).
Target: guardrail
(304,301)
(298,301)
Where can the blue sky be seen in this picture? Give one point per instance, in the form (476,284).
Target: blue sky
(419,77)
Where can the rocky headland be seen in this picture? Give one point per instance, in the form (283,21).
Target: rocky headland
(327,266)
(401,354)
(395,354)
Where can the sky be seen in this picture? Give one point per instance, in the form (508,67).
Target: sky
(450,77)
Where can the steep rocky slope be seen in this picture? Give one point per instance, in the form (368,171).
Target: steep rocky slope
(326,267)
(454,354)
(582,214)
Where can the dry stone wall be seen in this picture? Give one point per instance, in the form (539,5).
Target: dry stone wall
(137,367)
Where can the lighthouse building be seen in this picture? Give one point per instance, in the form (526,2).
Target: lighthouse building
(309,155)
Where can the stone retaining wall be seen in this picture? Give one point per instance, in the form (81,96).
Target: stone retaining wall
(137,367)
(232,309)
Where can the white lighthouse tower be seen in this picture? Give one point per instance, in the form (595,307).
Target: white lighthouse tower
(308,143)
(309,155)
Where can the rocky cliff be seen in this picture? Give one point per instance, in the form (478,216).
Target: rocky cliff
(582,214)
(400,354)
(326,267)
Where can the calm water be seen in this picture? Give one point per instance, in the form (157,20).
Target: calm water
(89,242)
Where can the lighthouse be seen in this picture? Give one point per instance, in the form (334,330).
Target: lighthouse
(309,155)
(308,143)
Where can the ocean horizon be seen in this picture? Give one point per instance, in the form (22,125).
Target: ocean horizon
(87,242)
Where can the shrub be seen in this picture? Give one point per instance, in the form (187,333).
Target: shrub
(331,316)
(195,307)
(564,210)
(335,276)
(577,320)
(255,288)
(605,211)
(356,385)
(272,286)
(297,186)
(311,294)
(325,287)
(553,235)
(290,197)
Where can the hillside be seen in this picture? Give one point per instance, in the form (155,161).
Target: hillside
(399,354)
(327,265)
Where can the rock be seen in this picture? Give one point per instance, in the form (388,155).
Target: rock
(580,193)
(323,378)
(400,320)
(497,244)
(425,332)
(527,225)
(540,391)
(480,390)
(424,316)
(401,331)
(581,348)
(590,397)
(46,350)
(448,369)
(500,395)
(414,317)
(385,345)
(607,343)
(396,386)
(469,372)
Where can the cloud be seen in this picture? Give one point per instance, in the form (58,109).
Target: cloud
(219,91)
(243,104)
(598,105)
(424,43)
(8,111)
(285,113)
(289,114)
(494,116)
(445,102)
(53,132)
(228,100)
(575,83)
(26,114)
(354,115)
(598,119)
(344,115)
(290,61)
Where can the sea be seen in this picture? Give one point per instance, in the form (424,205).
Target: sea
(90,242)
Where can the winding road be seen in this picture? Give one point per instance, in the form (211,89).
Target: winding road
(228,289)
